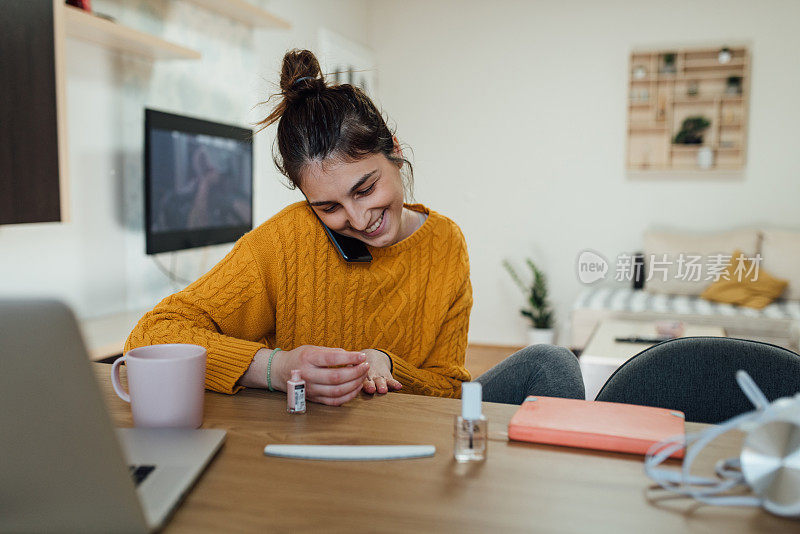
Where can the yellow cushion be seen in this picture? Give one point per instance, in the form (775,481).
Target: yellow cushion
(746,285)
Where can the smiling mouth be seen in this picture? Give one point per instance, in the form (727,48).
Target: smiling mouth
(376,225)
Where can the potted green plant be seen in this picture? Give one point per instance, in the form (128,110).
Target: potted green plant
(733,85)
(668,63)
(691,132)
(538,310)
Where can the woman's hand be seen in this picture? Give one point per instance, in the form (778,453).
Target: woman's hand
(333,376)
(379,376)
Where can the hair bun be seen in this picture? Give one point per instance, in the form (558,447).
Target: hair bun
(300,72)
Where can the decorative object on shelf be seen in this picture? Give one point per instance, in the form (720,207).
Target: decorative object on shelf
(733,85)
(640,95)
(105,16)
(86,5)
(705,158)
(646,158)
(724,56)
(692,88)
(661,116)
(668,63)
(691,132)
(639,72)
(538,311)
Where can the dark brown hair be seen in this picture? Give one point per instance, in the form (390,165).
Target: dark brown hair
(319,122)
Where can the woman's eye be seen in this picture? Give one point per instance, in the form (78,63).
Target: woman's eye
(330,209)
(368,190)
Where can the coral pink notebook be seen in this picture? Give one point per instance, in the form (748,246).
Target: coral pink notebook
(607,426)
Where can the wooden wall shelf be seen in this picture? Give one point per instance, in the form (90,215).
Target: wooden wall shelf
(662,94)
(712,64)
(245,12)
(87,27)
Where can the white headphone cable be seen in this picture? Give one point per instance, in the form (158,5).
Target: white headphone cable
(703,489)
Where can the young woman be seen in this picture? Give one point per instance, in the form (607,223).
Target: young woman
(285,299)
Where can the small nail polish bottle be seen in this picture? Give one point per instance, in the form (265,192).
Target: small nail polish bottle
(296,393)
(471,428)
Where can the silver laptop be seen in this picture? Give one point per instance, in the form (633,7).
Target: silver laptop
(63,467)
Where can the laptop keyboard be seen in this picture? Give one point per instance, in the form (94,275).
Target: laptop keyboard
(140,472)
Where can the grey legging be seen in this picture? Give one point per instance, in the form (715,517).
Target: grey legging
(545,370)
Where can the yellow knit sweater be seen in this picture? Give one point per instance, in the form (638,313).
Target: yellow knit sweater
(284,285)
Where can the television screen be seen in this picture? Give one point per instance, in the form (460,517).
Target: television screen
(198,182)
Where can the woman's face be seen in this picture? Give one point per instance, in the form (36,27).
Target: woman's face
(361,199)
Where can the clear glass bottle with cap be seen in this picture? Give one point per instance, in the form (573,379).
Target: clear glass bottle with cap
(471,428)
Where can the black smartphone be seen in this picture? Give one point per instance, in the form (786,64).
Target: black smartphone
(350,248)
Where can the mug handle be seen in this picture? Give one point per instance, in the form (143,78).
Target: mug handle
(115,379)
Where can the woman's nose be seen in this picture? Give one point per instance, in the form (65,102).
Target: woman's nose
(358,220)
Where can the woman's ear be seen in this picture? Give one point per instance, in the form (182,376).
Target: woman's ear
(397,150)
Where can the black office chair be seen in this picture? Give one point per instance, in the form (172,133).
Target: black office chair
(697,375)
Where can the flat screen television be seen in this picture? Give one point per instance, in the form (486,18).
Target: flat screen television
(198,179)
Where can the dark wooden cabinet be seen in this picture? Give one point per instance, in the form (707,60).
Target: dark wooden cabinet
(31,150)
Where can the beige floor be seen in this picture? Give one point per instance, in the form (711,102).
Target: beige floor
(481,358)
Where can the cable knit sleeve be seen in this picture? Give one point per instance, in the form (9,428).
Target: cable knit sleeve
(441,371)
(229,311)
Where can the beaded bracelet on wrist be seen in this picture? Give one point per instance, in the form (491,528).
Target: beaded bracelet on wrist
(269,369)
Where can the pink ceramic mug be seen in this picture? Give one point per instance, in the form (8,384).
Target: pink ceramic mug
(166,384)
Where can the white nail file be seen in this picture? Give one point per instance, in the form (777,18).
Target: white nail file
(350,452)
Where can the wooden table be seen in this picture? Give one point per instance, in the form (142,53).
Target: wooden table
(603,354)
(521,487)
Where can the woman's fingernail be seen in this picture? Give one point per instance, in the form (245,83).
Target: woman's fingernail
(362,356)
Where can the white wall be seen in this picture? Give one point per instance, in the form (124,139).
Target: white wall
(516,112)
(96,261)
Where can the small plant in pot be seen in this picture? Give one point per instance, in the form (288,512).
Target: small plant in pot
(668,63)
(733,85)
(691,132)
(538,310)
